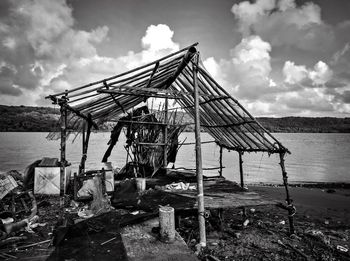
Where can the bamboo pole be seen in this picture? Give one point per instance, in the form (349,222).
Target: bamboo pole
(224,118)
(201,219)
(162,70)
(138,94)
(63,110)
(81,166)
(86,143)
(290,207)
(128,72)
(240,153)
(244,138)
(220,161)
(224,133)
(185,101)
(165,135)
(218,87)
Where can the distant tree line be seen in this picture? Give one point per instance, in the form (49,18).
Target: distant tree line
(36,119)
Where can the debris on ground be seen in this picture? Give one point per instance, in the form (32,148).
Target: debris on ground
(34,226)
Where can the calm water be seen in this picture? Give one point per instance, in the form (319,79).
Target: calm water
(316,157)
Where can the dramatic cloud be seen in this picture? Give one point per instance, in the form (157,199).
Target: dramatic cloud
(41,52)
(319,75)
(269,85)
(283,23)
(289,61)
(247,73)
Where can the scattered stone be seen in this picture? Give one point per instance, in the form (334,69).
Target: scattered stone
(246,222)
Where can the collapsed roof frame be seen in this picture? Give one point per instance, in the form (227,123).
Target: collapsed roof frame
(181,76)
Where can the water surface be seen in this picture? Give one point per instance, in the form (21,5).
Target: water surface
(316,157)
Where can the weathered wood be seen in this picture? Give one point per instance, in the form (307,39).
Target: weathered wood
(186,101)
(82,161)
(240,153)
(224,133)
(201,219)
(237,135)
(218,87)
(167,224)
(165,133)
(151,144)
(236,115)
(132,93)
(220,161)
(141,184)
(125,73)
(152,74)
(291,208)
(63,162)
(85,143)
(114,99)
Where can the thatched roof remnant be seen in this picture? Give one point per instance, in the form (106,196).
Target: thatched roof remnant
(221,115)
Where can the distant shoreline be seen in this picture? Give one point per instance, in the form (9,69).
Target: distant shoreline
(304,184)
(45,119)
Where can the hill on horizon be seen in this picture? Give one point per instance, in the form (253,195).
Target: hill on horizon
(45,119)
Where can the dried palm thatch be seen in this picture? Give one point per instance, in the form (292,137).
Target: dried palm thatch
(145,140)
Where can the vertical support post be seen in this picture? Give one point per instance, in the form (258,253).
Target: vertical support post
(290,207)
(199,170)
(165,134)
(220,161)
(240,153)
(86,143)
(82,163)
(63,161)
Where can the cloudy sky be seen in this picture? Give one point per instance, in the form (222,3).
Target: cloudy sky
(277,57)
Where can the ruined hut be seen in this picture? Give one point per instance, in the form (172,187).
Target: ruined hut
(180,76)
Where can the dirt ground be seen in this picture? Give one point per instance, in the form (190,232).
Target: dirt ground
(322,224)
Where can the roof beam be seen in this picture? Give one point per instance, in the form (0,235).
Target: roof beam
(125,73)
(142,94)
(185,60)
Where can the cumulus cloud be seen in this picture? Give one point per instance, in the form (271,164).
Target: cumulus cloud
(247,73)
(254,76)
(159,37)
(283,23)
(320,74)
(295,74)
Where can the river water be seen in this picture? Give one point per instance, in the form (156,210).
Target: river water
(316,157)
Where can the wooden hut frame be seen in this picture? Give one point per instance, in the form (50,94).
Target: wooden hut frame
(179,76)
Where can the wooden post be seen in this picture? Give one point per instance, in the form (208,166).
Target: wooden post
(220,161)
(167,224)
(85,143)
(165,134)
(63,161)
(82,162)
(199,170)
(141,184)
(290,207)
(240,153)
